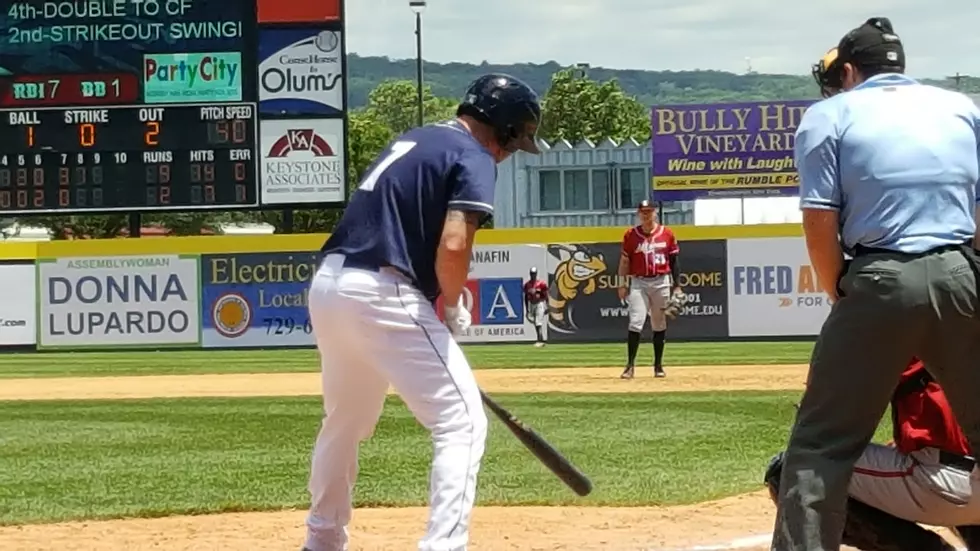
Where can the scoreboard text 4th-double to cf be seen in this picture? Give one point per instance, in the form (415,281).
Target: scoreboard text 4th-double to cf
(128,106)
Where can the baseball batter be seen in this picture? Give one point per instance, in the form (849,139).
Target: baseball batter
(405,239)
(926,477)
(536,304)
(648,266)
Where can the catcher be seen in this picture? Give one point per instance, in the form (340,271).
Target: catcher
(648,267)
(927,476)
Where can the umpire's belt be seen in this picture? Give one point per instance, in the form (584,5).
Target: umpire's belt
(862,250)
(957,461)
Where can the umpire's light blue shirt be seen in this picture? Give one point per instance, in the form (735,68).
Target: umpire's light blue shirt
(898,159)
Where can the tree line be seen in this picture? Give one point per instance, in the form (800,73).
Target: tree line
(575,107)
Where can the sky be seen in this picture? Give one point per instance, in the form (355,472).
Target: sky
(786,37)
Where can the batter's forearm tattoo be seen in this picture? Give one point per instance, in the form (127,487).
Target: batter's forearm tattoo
(468,217)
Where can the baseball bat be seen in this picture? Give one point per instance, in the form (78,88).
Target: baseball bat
(552,458)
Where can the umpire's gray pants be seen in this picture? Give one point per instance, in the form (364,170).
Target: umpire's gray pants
(893,307)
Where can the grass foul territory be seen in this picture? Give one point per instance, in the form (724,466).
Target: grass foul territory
(104,459)
(78,364)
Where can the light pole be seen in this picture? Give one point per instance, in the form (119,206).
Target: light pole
(418,6)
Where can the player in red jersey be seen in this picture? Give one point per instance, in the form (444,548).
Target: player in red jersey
(648,267)
(535,304)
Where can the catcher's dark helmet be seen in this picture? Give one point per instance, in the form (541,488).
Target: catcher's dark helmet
(509,106)
(827,73)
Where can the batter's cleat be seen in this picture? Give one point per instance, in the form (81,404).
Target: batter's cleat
(539,345)
(658,372)
(627,373)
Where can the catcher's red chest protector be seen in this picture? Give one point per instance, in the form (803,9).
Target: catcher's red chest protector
(922,416)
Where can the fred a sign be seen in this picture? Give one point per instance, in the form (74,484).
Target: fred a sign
(123,301)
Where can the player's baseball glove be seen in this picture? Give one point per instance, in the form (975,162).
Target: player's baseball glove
(675,304)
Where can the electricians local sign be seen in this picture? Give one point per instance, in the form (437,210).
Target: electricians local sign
(120,301)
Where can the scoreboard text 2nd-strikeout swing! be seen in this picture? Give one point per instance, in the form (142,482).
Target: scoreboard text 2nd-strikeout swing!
(128,105)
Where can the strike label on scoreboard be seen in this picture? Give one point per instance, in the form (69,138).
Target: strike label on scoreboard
(128,158)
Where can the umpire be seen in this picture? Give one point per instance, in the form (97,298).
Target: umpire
(888,173)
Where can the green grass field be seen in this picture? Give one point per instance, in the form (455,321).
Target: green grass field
(115,458)
(64,460)
(81,364)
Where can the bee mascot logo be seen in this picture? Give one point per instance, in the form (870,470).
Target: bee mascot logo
(576,272)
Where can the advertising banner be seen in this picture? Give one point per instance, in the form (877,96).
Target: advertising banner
(773,290)
(118,301)
(192,78)
(585,306)
(494,295)
(303,161)
(300,72)
(725,149)
(292,11)
(256,299)
(18,303)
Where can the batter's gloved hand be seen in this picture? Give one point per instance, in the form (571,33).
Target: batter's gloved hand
(458,318)
(675,304)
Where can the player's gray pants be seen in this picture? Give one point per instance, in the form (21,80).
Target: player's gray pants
(925,486)
(537,313)
(648,297)
(894,307)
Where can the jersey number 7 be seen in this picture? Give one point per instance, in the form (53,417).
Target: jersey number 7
(395,152)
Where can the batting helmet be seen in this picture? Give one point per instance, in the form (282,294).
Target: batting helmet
(508,106)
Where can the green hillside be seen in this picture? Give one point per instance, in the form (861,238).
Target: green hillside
(649,87)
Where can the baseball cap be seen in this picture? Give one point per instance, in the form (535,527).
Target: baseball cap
(645,204)
(873,44)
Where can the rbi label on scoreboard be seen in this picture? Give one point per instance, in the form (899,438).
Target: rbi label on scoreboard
(303,161)
(300,72)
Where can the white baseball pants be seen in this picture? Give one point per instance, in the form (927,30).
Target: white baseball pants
(373,329)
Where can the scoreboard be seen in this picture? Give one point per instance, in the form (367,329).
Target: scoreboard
(128,158)
(128,106)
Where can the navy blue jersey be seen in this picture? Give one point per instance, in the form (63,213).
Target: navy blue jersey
(396,215)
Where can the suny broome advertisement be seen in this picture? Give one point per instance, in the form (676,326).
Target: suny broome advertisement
(118,301)
(725,149)
(584,304)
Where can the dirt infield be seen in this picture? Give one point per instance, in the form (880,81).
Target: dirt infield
(739,522)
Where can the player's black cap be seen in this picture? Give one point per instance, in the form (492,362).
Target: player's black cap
(873,44)
(509,106)
(645,204)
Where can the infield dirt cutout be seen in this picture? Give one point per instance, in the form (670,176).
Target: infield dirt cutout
(732,523)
